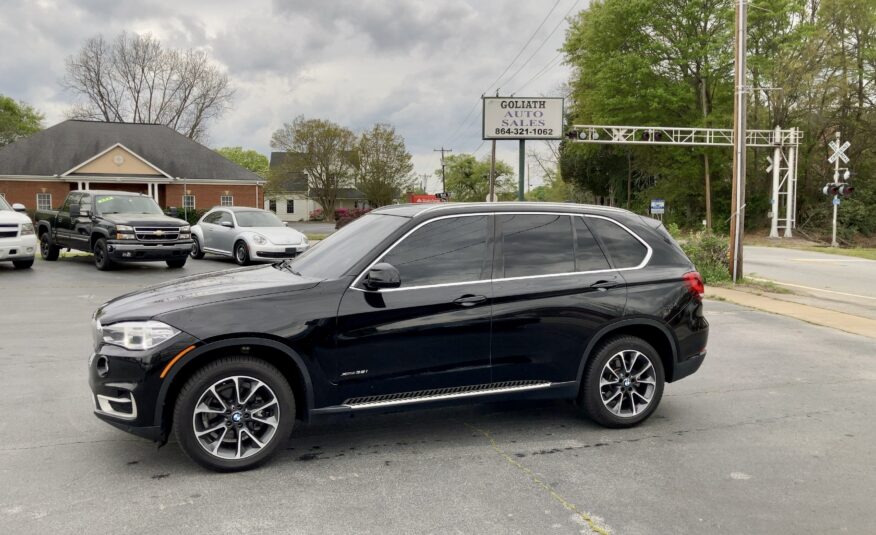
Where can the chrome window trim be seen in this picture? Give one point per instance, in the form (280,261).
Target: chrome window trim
(648,254)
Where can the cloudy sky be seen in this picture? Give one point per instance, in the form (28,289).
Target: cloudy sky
(420,65)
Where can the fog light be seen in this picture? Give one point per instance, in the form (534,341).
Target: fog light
(30,249)
(102,366)
(127,254)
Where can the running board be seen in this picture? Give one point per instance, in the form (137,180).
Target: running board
(404,398)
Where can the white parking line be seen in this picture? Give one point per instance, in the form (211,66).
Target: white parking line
(814,289)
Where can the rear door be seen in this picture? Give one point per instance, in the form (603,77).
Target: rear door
(553,288)
(433,332)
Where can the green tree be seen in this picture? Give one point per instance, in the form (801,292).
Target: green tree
(468,179)
(247,158)
(325,152)
(17,120)
(383,165)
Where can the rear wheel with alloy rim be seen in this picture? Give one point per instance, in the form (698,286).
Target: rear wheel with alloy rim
(241,253)
(48,250)
(234,414)
(623,382)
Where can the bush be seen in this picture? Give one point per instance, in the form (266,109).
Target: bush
(192,216)
(349,215)
(317,215)
(710,254)
(674,230)
(341,213)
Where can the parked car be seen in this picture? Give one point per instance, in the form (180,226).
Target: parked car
(17,239)
(409,306)
(247,235)
(116,226)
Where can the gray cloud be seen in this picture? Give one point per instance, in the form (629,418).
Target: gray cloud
(420,65)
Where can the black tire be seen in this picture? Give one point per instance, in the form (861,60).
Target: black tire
(196,253)
(241,253)
(199,385)
(48,250)
(591,398)
(23,264)
(176,263)
(102,260)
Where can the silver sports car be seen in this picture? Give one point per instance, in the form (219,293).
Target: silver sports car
(245,234)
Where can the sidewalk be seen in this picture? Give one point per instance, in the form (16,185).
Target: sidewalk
(810,314)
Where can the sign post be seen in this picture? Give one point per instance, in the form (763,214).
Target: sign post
(522,118)
(839,153)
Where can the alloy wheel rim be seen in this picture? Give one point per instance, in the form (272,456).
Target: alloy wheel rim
(44,246)
(241,253)
(627,383)
(195,248)
(98,254)
(236,417)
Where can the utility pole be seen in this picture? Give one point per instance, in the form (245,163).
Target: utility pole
(442,150)
(737,216)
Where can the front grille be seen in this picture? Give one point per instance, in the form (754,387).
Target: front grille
(156,234)
(8,233)
(8,225)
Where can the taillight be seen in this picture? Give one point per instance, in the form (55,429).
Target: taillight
(694,282)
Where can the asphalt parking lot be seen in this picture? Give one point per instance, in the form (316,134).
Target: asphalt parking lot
(775,434)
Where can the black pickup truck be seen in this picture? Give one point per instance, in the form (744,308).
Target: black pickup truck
(117,226)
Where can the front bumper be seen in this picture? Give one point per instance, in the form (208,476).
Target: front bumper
(18,248)
(276,252)
(126,386)
(133,251)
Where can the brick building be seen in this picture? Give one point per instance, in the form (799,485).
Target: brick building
(39,170)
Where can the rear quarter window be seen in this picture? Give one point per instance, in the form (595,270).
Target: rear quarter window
(623,249)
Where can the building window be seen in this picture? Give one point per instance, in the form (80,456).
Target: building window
(44,201)
(290,206)
(272,205)
(226,200)
(189,202)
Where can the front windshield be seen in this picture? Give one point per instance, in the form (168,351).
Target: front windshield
(334,256)
(125,204)
(258,219)
(4,205)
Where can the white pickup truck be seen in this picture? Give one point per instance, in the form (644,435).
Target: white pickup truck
(17,239)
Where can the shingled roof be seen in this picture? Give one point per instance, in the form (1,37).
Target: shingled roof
(58,149)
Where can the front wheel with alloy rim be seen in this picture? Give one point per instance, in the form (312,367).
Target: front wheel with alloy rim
(234,414)
(241,253)
(197,253)
(623,382)
(102,260)
(48,250)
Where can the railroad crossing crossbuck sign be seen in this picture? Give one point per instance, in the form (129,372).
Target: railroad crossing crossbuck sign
(838,151)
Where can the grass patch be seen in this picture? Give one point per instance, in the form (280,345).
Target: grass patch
(754,285)
(315,236)
(858,252)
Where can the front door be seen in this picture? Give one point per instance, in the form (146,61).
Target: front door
(64,223)
(431,333)
(223,233)
(553,289)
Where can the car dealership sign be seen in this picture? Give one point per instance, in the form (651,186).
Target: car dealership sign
(523,118)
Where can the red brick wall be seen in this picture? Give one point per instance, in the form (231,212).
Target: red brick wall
(169,194)
(25,192)
(210,196)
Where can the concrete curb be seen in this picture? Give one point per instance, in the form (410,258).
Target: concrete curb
(818,316)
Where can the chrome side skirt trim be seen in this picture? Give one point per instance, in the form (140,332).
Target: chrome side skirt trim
(406,398)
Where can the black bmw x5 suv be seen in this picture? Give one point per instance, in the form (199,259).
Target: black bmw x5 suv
(408,306)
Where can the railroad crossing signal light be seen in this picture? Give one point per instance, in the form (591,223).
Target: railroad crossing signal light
(572,134)
(846,190)
(830,189)
(649,135)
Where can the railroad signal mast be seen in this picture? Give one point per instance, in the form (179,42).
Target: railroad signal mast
(839,187)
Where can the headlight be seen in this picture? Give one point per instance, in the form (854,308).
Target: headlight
(125,232)
(124,228)
(259,239)
(185,229)
(26,229)
(136,335)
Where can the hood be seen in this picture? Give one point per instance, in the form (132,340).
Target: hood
(199,290)
(144,220)
(8,216)
(279,235)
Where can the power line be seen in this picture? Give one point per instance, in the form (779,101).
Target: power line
(544,41)
(531,37)
(538,74)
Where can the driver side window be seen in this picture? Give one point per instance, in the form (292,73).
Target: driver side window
(213,218)
(451,250)
(225,217)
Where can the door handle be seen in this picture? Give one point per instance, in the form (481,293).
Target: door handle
(470,300)
(603,285)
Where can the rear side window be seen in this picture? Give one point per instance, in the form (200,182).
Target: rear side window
(537,244)
(624,250)
(443,251)
(588,254)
